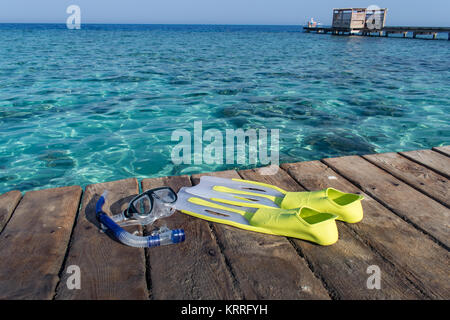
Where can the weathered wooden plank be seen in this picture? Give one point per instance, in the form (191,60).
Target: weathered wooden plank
(109,269)
(444,150)
(34,242)
(414,174)
(8,202)
(405,201)
(285,274)
(194,269)
(430,159)
(343,265)
(413,254)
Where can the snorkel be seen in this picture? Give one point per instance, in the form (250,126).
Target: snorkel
(163,236)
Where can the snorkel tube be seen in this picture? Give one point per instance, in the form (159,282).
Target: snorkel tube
(163,238)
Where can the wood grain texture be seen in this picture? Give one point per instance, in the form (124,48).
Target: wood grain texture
(405,201)
(430,159)
(445,150)
(109,269)
(194,269)
(34,242)
(342,266)
(285,274)
(8,202)
(413,254)
(429,182)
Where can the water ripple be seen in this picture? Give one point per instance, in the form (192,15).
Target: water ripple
(101,103)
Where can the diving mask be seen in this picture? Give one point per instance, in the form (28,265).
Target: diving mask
(147,207)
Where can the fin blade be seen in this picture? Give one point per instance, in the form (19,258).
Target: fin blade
(205,189)
(216,212)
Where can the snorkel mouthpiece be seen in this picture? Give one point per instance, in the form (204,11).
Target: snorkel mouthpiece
(178,236)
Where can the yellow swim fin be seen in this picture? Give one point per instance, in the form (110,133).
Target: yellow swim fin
(346,206)
(302,223)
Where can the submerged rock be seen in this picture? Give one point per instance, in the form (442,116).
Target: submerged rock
(339,142)
(57,158)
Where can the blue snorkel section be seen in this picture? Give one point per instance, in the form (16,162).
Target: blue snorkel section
(100,203)
(164,238)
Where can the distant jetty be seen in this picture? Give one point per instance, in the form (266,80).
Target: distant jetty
(371,22)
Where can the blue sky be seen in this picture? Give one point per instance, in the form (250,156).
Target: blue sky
(284,12)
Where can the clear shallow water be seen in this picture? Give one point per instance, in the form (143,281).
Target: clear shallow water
(100,104)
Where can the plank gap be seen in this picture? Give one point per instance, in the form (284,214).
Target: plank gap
(402,271)
(408,155)
(35,242)
(387,206)
(331,292)
(444,150)
(66,255)
(405,181)
(228,264)
(104,261)
(221,247)
(9,201)
(148,268)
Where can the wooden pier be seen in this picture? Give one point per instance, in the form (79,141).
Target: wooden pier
(405,232)
(413,32)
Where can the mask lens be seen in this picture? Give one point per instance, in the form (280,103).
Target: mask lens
(143,205)
(165,195)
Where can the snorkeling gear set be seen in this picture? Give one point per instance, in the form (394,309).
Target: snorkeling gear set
(248,205)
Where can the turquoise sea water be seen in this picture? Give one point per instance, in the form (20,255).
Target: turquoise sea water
(100,103)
